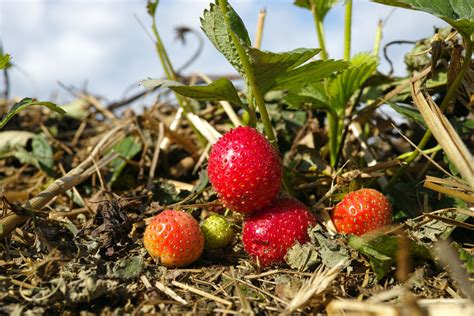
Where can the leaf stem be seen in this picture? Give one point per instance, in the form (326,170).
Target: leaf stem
(444,104)
(250,78)
(318,22)
(348,30)
(333,125)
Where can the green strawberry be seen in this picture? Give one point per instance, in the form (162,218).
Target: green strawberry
(217,231)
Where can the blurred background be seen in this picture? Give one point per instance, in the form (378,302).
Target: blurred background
(101,46)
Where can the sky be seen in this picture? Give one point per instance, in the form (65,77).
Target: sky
(100,45)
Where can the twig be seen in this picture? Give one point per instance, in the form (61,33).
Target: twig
(201,292)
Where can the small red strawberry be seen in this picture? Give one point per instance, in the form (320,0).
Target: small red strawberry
(269,233)
(362,211)
(174,239)
(245,170)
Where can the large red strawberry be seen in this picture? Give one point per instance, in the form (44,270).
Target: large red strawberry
(268,234)
(174,238)
(362,211)
(245,170)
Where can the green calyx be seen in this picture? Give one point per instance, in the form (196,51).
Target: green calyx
(217,232)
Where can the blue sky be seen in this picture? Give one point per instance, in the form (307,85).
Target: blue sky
(100,42)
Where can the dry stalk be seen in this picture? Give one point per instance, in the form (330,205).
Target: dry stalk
(74,177)
(317,284)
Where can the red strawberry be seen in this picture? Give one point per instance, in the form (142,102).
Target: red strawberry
(174,238)
(269,233)
(362,211)
(245,170)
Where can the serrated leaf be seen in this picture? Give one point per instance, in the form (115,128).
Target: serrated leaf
(127,148)
(458,13)
(313,94)
(343,87)
(409,112)
(321,6)
(268,66)
(27,102)
(4,60)
(219,90)
(310,72)
(214,26)
(382,250)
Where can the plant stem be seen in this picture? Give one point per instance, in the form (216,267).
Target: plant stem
(449,95)
(253,88)
(378,38)
(347,30)
(333,125)
(319,30)
(167,67)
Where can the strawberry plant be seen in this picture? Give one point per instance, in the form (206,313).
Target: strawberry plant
(275,189)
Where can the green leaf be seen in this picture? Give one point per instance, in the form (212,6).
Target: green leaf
(268,66)
(458,13)
(4,60)
(310,72)
(382,250)
(127,148)
(343,87)
(409,112)
(151,7)
(219,90)
(214,26)
(27,102)
(41,155)
(313,94)
(321,6)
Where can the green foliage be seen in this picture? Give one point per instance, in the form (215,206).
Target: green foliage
(127,148)
(151,7)
(219,90)
(4,60)
(274,71)
(336,92)
(321,6)
(382,250)
(408,111)
(27,102)
(41,155)
(343,87)
(458,13)
(214,26)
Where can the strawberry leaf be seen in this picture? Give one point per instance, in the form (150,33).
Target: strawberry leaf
(214,26)
(285,70)
(27,102)
(458,13)
(219,90)
(313,94)
(382,250)
(321,6)
(343,87)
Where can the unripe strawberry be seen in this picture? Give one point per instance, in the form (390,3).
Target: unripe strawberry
(245,170)
(217,231)
(174,238)
(269,233)
(362,211)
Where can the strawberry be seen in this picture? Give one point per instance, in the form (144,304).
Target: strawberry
(217,232)
(245,170)
(269,233)
(362,211)
(174,238)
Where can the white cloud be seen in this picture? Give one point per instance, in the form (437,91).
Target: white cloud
(102,42)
